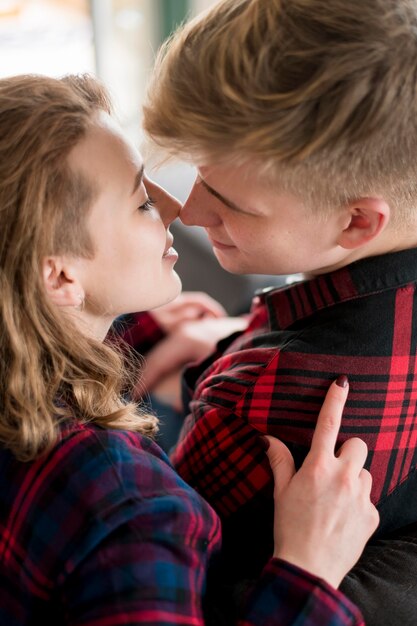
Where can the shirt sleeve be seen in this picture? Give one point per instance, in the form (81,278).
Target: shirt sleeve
(218,451)
(159,592)
(145,571)
(138,539)
(289,596)
(139,330)
(135,542)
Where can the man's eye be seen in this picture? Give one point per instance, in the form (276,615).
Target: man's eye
(147,205)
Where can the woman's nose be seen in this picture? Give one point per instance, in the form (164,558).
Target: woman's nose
(169,207)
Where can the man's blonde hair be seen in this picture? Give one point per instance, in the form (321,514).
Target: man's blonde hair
(321,95)
(49,371)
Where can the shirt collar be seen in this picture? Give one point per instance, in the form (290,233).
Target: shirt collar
(371,275)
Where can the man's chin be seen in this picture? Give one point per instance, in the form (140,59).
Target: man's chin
(233,266)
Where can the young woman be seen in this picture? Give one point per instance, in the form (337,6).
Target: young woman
(96,527)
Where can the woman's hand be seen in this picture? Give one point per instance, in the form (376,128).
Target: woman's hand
(323,512)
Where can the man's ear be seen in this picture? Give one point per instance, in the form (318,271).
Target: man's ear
(367,218)
(61,282)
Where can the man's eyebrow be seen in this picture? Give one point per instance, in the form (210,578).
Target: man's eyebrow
(218,195)
(138,179)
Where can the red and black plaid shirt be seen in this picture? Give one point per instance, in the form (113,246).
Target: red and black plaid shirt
(360,321)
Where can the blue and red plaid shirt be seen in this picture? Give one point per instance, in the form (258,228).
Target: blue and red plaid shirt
(101,532)
(359,320)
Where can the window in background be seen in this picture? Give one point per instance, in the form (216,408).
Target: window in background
(126,38)
(170,14)
(117,39)
(45,36)
(128,34)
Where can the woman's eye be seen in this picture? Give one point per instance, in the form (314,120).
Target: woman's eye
(147,205)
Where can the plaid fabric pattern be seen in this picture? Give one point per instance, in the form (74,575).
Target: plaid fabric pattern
(359,321)
(306,601)
(137,329)
(101,532)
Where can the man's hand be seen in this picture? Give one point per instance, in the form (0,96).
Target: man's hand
(190,341)
(323,512)
(188,306)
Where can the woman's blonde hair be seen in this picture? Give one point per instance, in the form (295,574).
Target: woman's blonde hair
(320,95)
(49,372)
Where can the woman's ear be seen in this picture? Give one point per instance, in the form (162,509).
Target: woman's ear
(61,282)
(367,218)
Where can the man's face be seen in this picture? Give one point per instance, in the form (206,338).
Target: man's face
(256,230)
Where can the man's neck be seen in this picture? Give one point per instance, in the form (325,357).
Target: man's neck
(391,240)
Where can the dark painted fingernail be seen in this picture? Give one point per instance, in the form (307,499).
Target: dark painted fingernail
(264,442)
(342,380)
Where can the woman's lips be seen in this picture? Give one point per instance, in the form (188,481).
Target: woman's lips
(171,253)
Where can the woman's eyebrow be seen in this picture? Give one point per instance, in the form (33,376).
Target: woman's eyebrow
(217,195)
(138,179)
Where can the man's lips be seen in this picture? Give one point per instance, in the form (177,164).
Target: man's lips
(219,244)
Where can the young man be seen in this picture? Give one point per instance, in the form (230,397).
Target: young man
(301,117)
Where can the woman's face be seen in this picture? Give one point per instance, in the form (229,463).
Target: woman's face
(133,264)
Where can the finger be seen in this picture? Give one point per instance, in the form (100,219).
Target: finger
(188,312)
(281,462)
(206,303)
(366,479)
(354,451)
(330,417)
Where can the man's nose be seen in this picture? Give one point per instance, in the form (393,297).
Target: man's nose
(197,210)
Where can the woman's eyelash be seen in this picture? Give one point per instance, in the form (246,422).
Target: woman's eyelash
(148,204)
